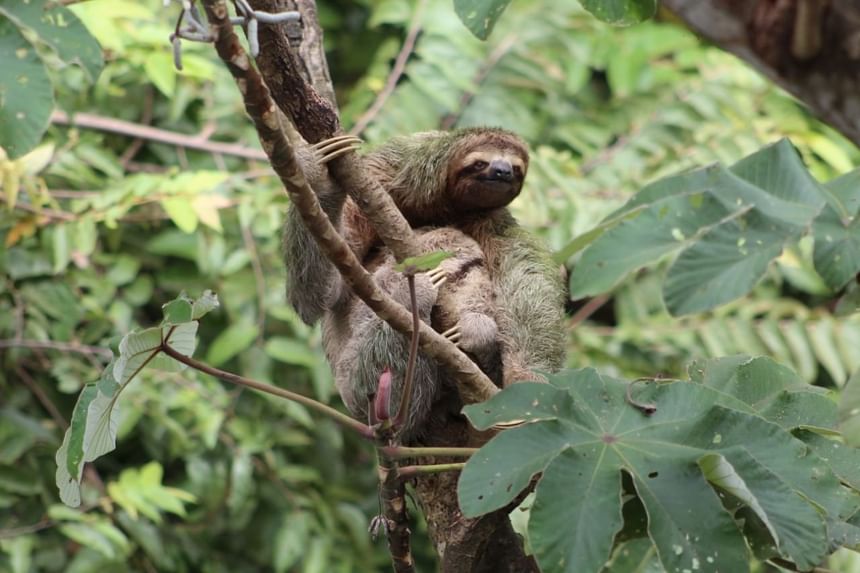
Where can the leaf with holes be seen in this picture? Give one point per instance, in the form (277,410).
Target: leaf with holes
(726,225)
(583,435)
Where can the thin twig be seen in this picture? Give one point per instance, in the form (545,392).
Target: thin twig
(145,119)
(406,396)
(786,564)
(101,123)
(49,213)
(51,345)
(361,429)
(588,309)
(396,71)
(42,397)
(492,60)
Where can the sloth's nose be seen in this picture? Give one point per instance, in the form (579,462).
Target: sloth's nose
(501,169)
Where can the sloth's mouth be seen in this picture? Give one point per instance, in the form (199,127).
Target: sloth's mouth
(495,179)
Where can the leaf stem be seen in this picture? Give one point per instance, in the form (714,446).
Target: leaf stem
(403,452)
(361,429)
(405,397)
(407,472)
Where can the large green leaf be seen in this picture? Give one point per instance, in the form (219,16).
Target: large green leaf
(582,434)
(764,387)
(56,26)
(480,16)
(849,410)
(621,12)
(26,95)
(837,232)
(727,225)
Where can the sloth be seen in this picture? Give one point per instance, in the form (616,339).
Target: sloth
(359,345)
(462,181)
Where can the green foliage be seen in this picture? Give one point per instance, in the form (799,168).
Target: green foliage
(819,346)
(621,12)
(36,35)
(96,239)
(717,452)
(727,226)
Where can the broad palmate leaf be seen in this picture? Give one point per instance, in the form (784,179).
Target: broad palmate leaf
(713,445)
(726,226)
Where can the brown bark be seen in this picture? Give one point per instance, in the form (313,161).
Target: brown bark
(486,544)
(809,47)
(316,119)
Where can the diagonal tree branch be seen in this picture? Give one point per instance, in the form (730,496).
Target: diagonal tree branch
(474,386)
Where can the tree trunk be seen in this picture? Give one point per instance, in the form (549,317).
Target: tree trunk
(809,47)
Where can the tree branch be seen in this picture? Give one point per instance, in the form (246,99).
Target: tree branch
(112,125)
(392,493)
(824,75)
(361,429)
(474,385)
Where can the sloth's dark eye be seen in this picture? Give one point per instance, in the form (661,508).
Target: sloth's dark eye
(479,165)
(518,170)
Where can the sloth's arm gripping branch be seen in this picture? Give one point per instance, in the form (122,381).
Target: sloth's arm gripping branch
(474,386)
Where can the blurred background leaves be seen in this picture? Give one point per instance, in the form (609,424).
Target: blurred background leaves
(99,229)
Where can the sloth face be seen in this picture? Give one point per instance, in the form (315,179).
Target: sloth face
(487,178)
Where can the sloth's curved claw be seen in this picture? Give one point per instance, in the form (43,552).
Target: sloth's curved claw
(453,334)
(335,146)
(437,276)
